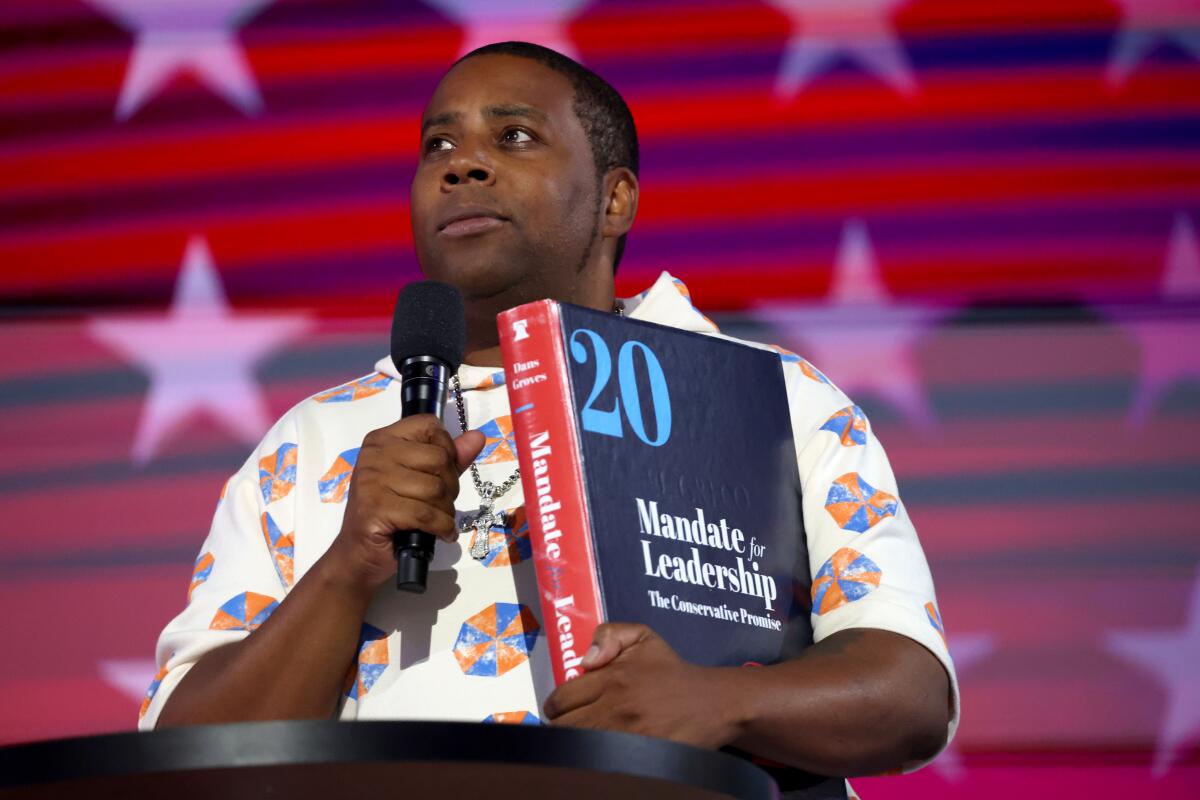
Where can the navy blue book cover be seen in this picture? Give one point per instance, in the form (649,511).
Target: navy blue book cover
(692,485)
(687,512)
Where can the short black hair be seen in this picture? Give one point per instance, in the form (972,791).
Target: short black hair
(602,111)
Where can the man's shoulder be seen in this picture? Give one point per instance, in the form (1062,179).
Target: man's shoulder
(346,410)
(369,385)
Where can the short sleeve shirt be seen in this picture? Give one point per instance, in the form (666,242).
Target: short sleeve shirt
(470,648)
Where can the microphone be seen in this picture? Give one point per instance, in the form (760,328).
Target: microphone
(428,339)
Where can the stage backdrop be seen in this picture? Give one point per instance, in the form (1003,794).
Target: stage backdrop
(979,219)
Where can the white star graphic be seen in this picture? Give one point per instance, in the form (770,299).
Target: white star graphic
(543,22)
(1145,23)
(966,649)
(859,338)
(1163,361)
(199,356)
(823,30)
(1173,658)
(130,676)
(175,35)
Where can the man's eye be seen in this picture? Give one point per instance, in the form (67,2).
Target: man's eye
(516,136)
(437,144)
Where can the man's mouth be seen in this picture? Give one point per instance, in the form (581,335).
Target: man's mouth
(470,225)
(470,221)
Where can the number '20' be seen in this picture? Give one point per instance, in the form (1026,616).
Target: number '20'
(608,422)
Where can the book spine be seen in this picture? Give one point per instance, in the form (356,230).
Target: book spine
(552,477)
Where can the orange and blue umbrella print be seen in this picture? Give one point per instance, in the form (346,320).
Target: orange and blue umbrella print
(277,473)
(334,484)
(857,505)
(847,576)
(496,639)
(244,612)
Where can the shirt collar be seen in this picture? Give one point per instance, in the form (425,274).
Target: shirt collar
(666,302)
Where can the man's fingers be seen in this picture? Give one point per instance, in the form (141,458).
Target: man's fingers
(467,447)
(609,640)
(404,513)
(433,449)
(433,456)
(400,459)
(580,718)
(573,694)
(417,428)
(423,486)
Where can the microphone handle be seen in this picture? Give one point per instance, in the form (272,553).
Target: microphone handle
(424,387)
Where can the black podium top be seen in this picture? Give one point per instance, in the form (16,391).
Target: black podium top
(326,759)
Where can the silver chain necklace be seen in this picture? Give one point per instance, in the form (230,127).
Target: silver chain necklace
(482,521)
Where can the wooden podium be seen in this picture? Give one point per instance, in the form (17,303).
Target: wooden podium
(326,759)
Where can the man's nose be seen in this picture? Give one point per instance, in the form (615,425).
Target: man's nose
(467,169)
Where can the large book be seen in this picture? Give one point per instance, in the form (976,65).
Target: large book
(660,483)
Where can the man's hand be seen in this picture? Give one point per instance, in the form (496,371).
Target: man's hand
(636,683)
(406,478)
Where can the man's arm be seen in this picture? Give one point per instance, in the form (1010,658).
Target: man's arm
(860,702)
(293,665)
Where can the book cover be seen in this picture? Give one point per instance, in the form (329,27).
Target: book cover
(660,484)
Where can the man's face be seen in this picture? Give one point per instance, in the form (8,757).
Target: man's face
(505,192)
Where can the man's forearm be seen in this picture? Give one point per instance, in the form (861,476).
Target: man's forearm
(292,667)
(859,702)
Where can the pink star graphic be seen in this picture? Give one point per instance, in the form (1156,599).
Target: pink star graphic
(861,339)
(1169,342)
(171,36)
(1172,657)
(131,676)
(1147,22)
(823,30)
(200,356)
(543,22)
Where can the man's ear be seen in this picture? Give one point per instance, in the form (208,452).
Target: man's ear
(621,201)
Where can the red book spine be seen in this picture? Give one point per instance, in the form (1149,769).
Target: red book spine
(539,394)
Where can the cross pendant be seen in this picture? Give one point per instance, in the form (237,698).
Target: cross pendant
(483,532)
(482,522)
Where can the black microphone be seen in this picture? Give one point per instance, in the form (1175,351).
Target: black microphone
(429,333)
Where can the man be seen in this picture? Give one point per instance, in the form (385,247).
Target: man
(525,189)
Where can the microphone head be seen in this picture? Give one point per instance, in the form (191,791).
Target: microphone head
(429,321)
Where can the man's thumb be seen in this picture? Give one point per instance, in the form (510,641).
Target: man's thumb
(609,640)
(467,448)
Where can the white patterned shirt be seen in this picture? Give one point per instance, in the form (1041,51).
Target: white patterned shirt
(470,647)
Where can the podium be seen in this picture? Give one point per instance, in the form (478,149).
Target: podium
(327,759)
